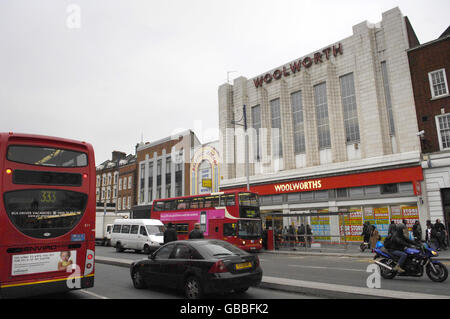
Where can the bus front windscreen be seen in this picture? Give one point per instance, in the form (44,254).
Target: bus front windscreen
(249,229)
(44,213)
(46,156)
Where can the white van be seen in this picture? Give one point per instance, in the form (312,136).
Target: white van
(137,234)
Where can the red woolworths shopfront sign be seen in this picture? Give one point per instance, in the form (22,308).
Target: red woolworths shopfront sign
(401,175)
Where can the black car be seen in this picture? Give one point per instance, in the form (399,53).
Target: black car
(199,267)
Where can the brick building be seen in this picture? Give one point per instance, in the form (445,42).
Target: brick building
(430,67)
(163,169)
(334,130)
(127,185)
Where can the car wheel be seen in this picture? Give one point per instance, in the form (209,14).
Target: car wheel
(138,280)
(119,247)
(147,249)
(193,288)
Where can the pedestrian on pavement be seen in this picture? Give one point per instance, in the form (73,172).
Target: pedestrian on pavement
(291,236)
(170,234)
(391,227)
(417,231)
(430,236)
(440,234)
(374,237)
(366,233)
(301,232)
(308,235)
(264,237)
(196,233)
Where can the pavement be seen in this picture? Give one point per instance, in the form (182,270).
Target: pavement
(316,288)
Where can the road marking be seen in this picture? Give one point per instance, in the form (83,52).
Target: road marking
(93,294)
(335,268)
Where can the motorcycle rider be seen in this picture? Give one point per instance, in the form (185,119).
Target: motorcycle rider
(400,240)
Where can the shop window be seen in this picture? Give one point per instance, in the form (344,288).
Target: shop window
(389,188)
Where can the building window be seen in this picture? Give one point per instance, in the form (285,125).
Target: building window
(256,124)
(130,181)
(349,107)
(120,184)
(389,188)
(119,204)
(298,122)
(129,202)
(443,125)
(323,125)
(124,202)
(150,182)
(387,97)
(438,83)
(275,113)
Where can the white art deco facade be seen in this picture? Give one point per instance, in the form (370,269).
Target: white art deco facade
(343,114)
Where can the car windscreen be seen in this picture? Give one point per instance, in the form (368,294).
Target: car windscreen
(46,156)
(45,213)
(155,230)
(214,249)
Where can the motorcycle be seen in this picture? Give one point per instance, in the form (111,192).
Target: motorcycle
(417,261)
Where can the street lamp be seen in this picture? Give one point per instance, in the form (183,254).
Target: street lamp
(244,118)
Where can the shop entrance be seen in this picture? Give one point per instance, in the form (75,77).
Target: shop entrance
(445,195)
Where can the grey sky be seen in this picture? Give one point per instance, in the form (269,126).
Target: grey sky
(153,67)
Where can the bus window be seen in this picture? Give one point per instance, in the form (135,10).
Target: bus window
(159,206)
(229,229)
(46,156)
(212,201)
(197,202)
(182,204)
(248,199)
(169,205)
(227,200)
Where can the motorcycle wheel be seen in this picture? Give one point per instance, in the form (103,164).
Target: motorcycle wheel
(386,273)
(441,274)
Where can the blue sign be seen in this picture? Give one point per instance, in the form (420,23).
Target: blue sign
(77,237)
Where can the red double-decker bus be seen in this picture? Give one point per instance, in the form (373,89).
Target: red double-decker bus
(47,215)
(230,216)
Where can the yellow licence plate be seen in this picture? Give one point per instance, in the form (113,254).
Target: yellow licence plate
(243,265)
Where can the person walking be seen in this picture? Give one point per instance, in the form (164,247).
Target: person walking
(308,235)
(196,233)
(301,233)
(374,237)
(417,231)
(440,233)
(366,233)
(391,227)
(170,234)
